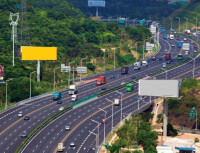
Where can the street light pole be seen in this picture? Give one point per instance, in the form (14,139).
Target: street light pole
(104,61)
(171,22)
(30,82)
(121,104)
(115,57)
(54,78)
(98,124)
(112,113)
(69,74)
(6,105)
(81,65)
(96,150)
(186,23)
(104,124)
(179,23)
(196,25)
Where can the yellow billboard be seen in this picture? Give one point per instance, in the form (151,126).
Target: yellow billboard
(38,53)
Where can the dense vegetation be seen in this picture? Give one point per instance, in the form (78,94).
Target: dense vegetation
(148,9)
(57,23)
(134,132)
(179,108)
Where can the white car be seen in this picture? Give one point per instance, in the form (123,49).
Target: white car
(195,51)
(122,83)
(72,144)
(172,45)
(20,114)
(67,128)
(61,108)
(185,39)
(186,52)
(164,65)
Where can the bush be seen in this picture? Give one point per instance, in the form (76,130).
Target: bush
(196,140)
(91,67)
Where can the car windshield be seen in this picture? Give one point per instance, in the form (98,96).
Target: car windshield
(71,89)
(98,81)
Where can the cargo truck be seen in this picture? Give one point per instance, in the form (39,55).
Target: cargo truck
(137,65)
(60,147)
(179,44)
(116,102)
(164,36)
(124,70)
(56,95)
(144,63)
(171,37)
(180,57)
(74,97)
(129,87)
(73,89)
(167,56)
(101,80)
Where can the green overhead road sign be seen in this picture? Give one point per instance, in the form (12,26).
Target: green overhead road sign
(192,113)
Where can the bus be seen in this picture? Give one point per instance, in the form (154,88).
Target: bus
(180,57)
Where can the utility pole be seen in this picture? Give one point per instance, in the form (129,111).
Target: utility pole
(98,126)
(96,150)
(69,73)
(81,65)
(112,114)
(179,23)
(30,82)
(196,24)
(171,22)
(186,23)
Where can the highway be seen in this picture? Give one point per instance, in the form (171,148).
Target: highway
(50,139)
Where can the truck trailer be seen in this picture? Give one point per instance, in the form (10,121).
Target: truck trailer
(73,89)
(101,80)
(56,95)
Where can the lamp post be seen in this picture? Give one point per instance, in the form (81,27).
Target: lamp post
(121,104)
(115,57)
(98,124)
(171,22)
(112,113)
(164,22)
(6,105)
(30,82)
(104,123)
(104,61)
(196,24)
(96,150)
(69,73)
(81,65)
(179,23)
(54,71)
(186,23)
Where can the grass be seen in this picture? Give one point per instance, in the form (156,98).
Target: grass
(2,107)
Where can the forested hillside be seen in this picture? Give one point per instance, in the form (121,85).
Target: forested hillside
(148,9)
(57,23)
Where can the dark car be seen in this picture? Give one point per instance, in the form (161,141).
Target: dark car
(168,62)
(26,118)
(133,77)
(103,88)
(160,58)
(112,77)
(59,102)
(153,58)
(24,134)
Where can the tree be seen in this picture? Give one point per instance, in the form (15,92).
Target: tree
(91,67)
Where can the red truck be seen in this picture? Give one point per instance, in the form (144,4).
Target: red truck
(124,70)
(101,80)
(167,56)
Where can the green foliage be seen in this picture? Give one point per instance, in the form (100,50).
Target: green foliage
(151,115)
(137,151)
(196,140)
(171,131)
(91,67)
(130,8)
(120,143)
(173,103)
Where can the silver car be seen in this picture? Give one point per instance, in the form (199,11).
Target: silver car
(164,65)
(67,128)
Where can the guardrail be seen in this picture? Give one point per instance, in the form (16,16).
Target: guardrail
(41,126)
(85,100)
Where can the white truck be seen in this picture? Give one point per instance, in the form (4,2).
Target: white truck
(116,102)
(137,65)
(73,89)
(74,97)
(144,63)
(60,147)
(171,37)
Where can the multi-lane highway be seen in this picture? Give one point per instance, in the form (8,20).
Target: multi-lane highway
(78,119)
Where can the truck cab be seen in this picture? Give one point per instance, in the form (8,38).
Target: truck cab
(171,36)
(167,56)
(74,97)
(101,80)
(60,147)
(56,95)
(73,89)
(144,63)
(137,65)
(129,87)
(124,70)
(116,102)
(179,44)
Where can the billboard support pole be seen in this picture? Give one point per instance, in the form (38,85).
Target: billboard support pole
(38,71)
(97,11)
(165,117)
